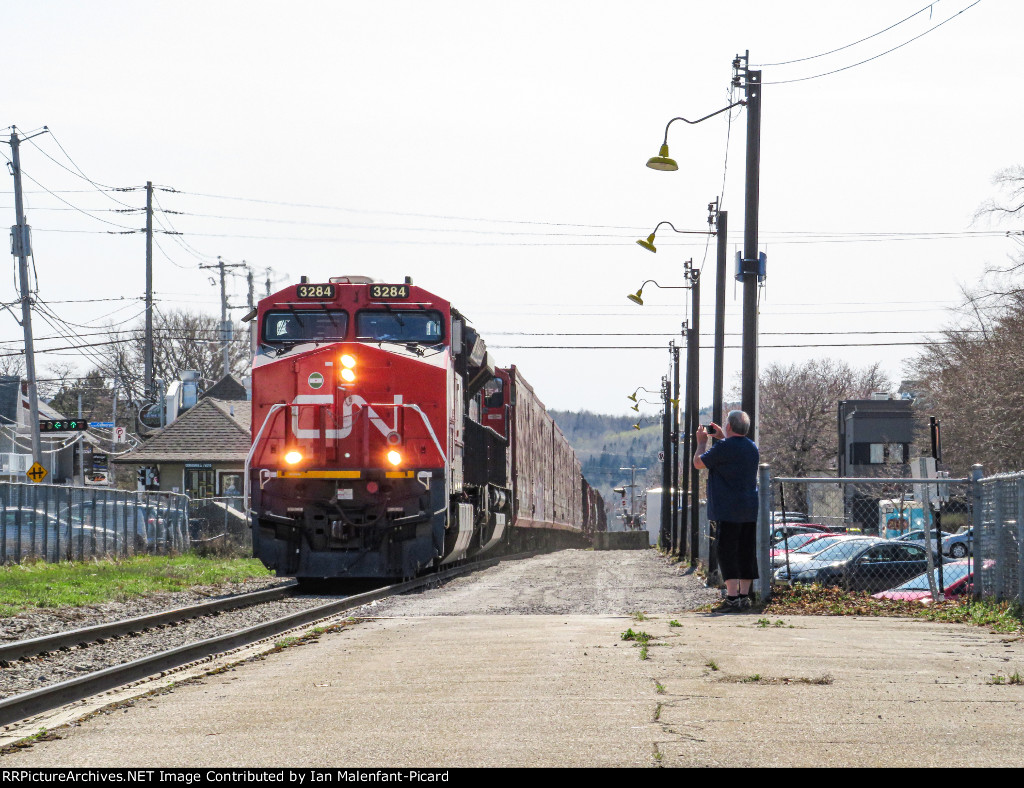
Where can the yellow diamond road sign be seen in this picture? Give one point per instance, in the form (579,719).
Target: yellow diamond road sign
(36,473)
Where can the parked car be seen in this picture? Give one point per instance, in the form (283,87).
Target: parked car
(917,537)
(960,544)
(957,577)
(788,517)
(811,548)
(863,565)
(31,532)
(779,531)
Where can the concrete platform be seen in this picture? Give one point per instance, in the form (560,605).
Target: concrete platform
(567,691)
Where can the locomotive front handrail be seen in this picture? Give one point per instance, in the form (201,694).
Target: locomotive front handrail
(248,458)
(283,405)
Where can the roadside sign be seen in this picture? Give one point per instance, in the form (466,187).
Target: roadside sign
(106,425)
(120,434)
(36,473)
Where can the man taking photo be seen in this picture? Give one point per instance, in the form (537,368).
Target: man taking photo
(732,503)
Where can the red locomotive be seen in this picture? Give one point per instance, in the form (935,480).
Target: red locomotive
(385,441)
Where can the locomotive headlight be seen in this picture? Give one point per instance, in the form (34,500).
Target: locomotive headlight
(348,364)
(293,457)
(394,457)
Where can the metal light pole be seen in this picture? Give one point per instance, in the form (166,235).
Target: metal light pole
(665,536)
(693,409)
(751,204)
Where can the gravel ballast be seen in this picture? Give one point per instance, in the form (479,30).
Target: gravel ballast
(567,582)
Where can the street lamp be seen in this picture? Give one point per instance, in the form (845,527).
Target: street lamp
(750,82)
(648,243)
(637,298)
(641,388)
(662,161)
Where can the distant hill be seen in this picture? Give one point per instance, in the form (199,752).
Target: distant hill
(605,444)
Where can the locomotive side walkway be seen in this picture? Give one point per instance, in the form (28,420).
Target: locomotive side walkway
(485,672)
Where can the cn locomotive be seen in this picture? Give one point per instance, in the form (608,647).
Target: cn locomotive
(386,442)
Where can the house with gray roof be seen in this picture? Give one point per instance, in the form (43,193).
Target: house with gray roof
(202,453)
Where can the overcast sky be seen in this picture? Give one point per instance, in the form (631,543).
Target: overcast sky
(495,153)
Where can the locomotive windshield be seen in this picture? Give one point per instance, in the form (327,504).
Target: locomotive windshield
(399,326)
(305,325)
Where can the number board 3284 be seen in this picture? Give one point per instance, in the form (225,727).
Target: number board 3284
(316,292)
(381,292)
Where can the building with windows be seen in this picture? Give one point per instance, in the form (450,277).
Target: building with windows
(202,452)
(875,440)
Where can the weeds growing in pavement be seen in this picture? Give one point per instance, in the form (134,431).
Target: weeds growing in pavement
(674,623)
(639,616)
(1002,617)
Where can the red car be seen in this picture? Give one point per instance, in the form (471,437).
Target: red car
(957,576)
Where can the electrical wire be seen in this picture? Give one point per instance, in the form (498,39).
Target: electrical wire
(860,41)
(876,57)
(101,188)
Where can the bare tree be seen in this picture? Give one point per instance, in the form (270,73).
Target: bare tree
(182,341)
(973,380)
(798,433)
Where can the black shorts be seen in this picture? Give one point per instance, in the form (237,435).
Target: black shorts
(737,550)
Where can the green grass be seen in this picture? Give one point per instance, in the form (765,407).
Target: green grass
(1002,617)
(70,584)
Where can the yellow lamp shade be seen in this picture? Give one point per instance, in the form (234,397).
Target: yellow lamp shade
(662,161)
(648,243)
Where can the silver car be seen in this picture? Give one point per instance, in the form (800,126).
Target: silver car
(960,544)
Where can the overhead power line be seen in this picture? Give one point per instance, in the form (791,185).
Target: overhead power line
(876,57)
(847,46)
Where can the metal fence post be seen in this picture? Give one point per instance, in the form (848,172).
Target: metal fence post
(764,520)
(977,472)
(1020,539)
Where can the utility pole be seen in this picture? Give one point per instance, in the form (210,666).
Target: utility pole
(148,353)
(693,409)
(676,536)
(752,86)
(250,280)
(665,537)
(225,323)
(718,395)
(22,249)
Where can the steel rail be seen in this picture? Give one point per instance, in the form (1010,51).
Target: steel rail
(27,704)
(80,637)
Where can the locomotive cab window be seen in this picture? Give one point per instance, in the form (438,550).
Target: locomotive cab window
(304,325)
(493,393)
(399,326)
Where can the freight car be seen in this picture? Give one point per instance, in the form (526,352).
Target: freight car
(386,442)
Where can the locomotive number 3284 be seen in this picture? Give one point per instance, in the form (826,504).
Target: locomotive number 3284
(389,291)
(315,291)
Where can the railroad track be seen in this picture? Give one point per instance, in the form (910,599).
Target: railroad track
(24,705)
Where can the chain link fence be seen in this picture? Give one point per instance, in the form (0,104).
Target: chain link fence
(59,523)
(998,537)
(219,526)
(903,538)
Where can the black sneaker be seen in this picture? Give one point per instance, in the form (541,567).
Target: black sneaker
(746,603)
(728,605)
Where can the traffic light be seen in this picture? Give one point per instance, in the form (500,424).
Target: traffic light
(63,425)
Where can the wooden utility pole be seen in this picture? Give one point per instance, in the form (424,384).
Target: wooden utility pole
(148,352)
(21,236)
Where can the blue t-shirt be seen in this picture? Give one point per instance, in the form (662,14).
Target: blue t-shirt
(732,480)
